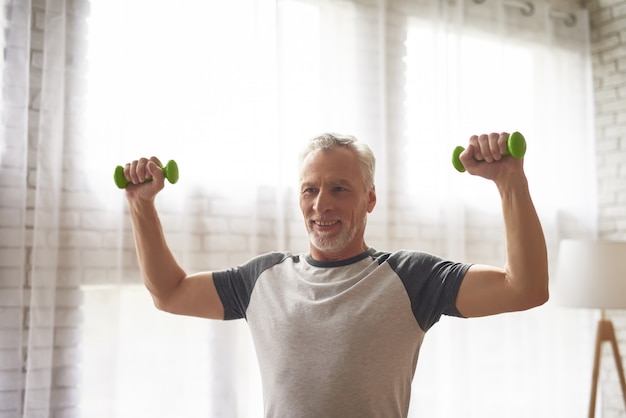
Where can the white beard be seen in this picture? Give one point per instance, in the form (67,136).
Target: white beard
(333,244)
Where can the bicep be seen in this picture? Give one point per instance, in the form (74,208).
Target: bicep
(486,290)
(195,295)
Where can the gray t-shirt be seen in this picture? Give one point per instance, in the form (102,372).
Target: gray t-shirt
(339,339)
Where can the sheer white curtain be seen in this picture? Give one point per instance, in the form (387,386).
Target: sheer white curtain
(230,90)
(40,296)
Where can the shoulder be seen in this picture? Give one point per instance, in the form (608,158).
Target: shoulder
(418,268)
(406,260)
(263,262)
(235,285)
(431,283)
(254,267)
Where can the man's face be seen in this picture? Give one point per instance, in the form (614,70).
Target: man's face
(334,204)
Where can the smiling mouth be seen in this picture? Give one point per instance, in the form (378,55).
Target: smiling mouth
(325,223)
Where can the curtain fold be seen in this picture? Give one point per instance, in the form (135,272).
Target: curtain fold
(231,90)
(13,169)
(48,145)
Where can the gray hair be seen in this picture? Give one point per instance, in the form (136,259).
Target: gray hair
(328,141)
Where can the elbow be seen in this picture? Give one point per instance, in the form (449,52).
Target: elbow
(542,295)
(163,297)
(160,302)
(540,298)
(535,297)
(165,304)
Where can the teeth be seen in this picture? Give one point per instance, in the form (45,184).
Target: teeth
(328,223)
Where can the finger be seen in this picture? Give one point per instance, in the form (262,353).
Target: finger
(484,148)
(156,161)
(494,146)
(468,156)
(503,142)
(142,172)
(154,169)
(132,172)
(127,172)
(474,148)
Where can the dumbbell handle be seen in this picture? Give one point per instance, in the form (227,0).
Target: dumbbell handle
(170,171)
(515,147)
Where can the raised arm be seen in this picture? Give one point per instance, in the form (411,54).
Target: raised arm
(523,281)
(171,288)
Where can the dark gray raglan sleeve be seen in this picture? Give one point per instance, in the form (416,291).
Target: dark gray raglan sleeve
(234,286)
(431,282)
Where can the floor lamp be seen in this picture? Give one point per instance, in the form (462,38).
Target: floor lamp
(592,275)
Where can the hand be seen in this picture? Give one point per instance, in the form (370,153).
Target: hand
(146,177)
(483,157)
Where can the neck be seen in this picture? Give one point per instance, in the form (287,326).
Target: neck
(344,254)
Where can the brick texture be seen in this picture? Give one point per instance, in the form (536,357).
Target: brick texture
(39,345)
(88,234)
(608,38)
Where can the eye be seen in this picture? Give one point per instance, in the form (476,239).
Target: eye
(309,191)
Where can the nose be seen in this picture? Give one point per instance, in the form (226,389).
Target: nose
(322,202)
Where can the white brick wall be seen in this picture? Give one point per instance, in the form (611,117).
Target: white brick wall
(53,350)
(608,31)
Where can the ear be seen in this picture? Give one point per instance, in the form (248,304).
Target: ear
(371,202)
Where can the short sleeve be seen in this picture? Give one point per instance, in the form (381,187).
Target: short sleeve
(431,282)
(234,286)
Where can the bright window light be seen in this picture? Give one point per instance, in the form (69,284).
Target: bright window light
(493,93)
(198,83)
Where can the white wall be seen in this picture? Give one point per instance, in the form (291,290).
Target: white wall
(86,230)
(608,34)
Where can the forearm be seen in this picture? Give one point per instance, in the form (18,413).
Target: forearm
(161,273)
(526,255)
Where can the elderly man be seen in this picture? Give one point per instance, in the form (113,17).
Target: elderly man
(338,330)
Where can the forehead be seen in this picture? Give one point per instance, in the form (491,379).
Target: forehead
(335,165)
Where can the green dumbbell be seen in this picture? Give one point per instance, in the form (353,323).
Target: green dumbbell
(515,147)
(170,171)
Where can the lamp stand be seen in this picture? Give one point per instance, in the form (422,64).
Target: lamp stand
(605,332)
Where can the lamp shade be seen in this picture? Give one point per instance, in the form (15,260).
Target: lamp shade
(591,274)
